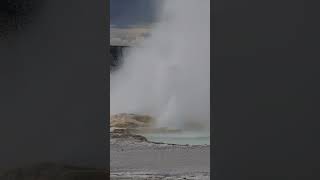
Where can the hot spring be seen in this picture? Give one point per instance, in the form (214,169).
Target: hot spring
(167,76)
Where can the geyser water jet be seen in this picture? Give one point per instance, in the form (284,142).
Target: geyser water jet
(168,75)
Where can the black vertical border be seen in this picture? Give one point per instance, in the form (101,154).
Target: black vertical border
(107,15)
(212,120)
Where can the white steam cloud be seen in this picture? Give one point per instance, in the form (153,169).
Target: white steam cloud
(168,77)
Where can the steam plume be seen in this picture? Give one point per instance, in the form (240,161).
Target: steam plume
(168,76)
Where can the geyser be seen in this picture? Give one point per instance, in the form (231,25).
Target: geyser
(168,75)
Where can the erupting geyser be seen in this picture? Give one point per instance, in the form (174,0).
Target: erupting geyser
(168,76)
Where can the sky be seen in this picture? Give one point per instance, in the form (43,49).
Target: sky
(133,12)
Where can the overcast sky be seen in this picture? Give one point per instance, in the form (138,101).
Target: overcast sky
(133,12)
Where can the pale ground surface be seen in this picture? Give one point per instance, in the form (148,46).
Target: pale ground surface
(134,157)
(131,159)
